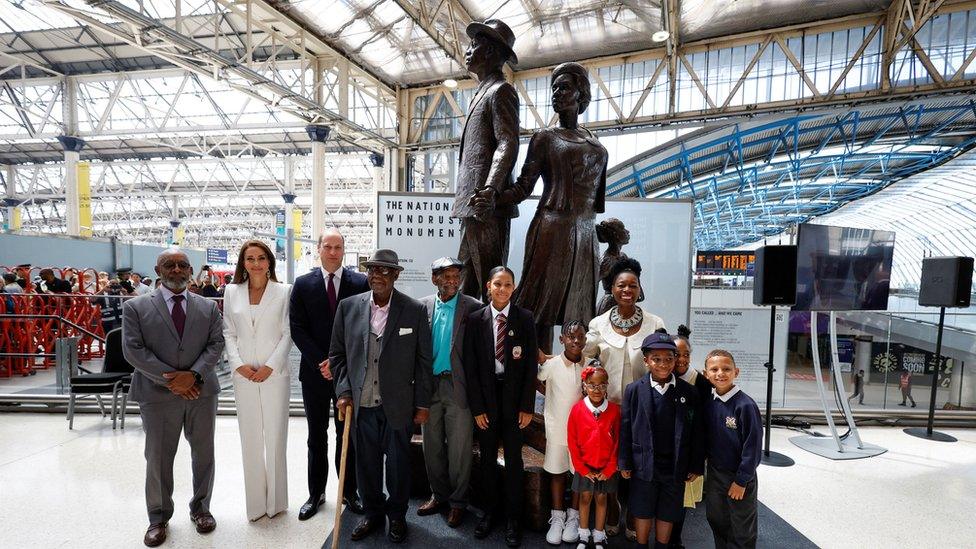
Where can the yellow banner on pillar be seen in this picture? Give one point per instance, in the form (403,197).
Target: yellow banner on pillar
(13,219)
(84,199)
(296,223)
(178,235)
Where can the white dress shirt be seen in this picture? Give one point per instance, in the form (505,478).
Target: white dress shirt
(168,297)
(662,388)
(499,367)
(336,280)
(725,398)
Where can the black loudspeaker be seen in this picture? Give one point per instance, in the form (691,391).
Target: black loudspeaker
(775,281)
(946,282)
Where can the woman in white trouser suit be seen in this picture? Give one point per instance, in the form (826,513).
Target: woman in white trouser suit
(258,339)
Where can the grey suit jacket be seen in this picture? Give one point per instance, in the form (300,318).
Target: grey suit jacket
(405,362)
(465,305)
(489,146)
(150,343)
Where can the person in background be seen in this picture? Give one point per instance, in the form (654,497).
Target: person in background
(905,384)
(734,432)
(559,381)
(594,437)
(10,285)
(53,284)
(857,380)
(138,288)
(501,362)
(174,340)
(314,301)
(448,432)
(23,275)
(258,338)
(102,281)
(158,283)
(110,302)
(206,283)
(683,369)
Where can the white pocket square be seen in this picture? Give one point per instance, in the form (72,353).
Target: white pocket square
(405,331)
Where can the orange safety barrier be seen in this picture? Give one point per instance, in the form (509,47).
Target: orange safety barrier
(36,336)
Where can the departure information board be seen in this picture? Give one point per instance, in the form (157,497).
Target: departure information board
(727,263)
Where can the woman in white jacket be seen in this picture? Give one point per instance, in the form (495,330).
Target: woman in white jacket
(258,339)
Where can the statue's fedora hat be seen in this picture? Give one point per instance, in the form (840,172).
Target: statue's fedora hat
(498,31)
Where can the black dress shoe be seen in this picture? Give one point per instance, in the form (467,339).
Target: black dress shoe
(310,507)
(398,531)
(483,528)
(354,504)
(513,534)
(365,528)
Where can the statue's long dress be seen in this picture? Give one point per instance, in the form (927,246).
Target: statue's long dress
(562,261)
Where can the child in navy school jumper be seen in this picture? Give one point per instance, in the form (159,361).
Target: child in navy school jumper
(661,441)
(734,434)
(593,434)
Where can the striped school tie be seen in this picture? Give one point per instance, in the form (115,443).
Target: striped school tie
(500,325)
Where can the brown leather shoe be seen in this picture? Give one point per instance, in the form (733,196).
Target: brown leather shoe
(455,517)
(204,522)
(155,535)
(430,507)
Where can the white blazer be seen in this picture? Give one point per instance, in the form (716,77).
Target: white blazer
(616,351)
(261,336)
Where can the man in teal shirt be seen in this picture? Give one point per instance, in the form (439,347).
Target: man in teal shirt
(448,431)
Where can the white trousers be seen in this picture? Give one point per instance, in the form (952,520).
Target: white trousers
(262,415)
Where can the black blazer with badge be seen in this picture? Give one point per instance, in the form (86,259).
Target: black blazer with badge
(479,363)
(311,320)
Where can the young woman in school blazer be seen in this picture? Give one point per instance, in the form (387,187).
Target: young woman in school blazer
(258,339)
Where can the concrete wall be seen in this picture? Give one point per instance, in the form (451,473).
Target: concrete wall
(83,253)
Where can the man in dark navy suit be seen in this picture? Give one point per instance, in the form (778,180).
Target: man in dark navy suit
(314,300)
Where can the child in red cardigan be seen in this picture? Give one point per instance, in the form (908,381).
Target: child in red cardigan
(593,436)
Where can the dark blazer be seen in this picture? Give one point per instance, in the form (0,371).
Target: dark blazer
(636,452)
(465,306)
(489,145)
(479,362)
(311,321)
(406,358)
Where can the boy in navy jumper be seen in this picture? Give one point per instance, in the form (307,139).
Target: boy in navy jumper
(734,442)
(661,441)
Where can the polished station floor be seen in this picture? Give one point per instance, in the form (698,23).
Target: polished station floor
(84,488)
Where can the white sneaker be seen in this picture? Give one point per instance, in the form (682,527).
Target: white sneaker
(557,522)
(571,529)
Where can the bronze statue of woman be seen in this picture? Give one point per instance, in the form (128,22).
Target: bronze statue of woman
(562,258)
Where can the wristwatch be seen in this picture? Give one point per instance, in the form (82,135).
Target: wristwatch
(198,377)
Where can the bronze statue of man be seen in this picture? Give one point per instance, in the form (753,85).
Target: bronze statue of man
(489,147)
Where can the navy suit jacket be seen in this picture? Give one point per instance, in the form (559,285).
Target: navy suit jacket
(636,452)
(311,320)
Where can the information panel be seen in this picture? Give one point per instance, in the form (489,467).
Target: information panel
(727,263)
(419,227)
(745,334)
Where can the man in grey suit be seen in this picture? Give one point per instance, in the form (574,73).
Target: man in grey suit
(381,359)
(487,153)
(448,431)
(173,339)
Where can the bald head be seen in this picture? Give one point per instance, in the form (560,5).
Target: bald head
(332,247)
(173,268)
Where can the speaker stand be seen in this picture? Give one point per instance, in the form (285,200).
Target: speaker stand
(927,432)
(770,458)
(838,449)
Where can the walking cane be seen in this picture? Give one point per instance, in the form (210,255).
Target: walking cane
(342,477)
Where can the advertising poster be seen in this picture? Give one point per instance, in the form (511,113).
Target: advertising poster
(896,358)
(419,227)
(745,334)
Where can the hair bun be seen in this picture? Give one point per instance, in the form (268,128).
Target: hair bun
(662,330)
(684,331)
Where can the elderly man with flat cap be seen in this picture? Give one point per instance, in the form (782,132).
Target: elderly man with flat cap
(381,360)
(487,153)
(447,433)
